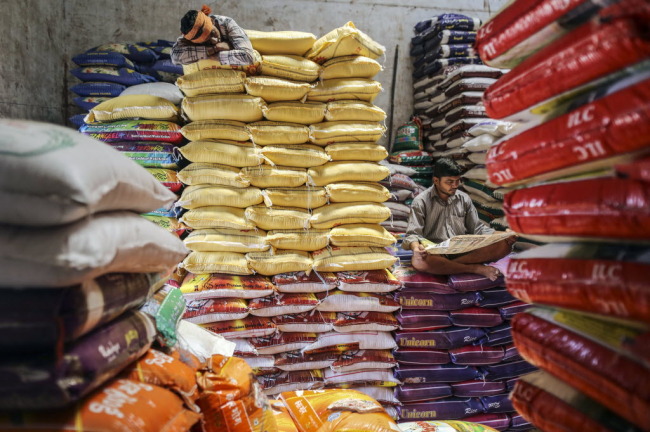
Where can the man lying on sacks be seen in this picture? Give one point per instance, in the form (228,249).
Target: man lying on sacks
(212,37)
(442,212)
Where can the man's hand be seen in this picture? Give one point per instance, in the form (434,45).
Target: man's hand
(221,46)
(417,247)
(489,272)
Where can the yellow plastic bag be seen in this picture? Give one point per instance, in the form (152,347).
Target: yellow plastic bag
(209,195)
(337,259)
(349,110)
(201,173)
(217,217)
(301,155)
(295,112)
(281,261)
(126,107)
(211,81)
(273,89)
(204,64)
(290,67)
(344,41)
(281,42)
(369,152)
(345,89)
(215,129)
(216,262)
(344,171)
(333,215)
(231,153)
(349,192)
(345,131)
(282,417)
(243,108)
(302,197)
(227,240)
(265,176)
(352,66)
(268,132)
(302,240)
(278,218)
(356,235)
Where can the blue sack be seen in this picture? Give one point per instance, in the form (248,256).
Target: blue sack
(124,76)
(103,59)
(102,89)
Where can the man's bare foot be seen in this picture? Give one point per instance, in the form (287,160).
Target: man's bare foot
(489,272)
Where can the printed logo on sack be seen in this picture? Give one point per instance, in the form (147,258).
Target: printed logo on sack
(42,141)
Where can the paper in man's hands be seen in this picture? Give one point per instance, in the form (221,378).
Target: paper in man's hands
(464,243)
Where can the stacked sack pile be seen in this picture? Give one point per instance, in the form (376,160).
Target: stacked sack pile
(283,182)
(144,127)
(455,352)
(110,70)
(78,261)
(580,172)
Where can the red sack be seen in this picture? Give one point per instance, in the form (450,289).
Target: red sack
(592,51)
(597,278)
(611,126)
(612,379)
(603,207)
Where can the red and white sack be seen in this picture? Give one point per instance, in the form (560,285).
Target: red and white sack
(311,322)
(383,395)
(341,342)
(341,301)
(291,381)
(297,360)
(372,281)
(245,328)
(282,304)
(300,282)
(365,321)
(364,377)
(220,285)
(364,359)
(282,342)
(262,365)
(217,309)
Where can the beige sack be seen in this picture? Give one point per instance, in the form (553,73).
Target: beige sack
(278,218)
(201,173)
(343,171)
(301,155)
(306,197)
(349,110)
(227,240)
(205,64)
(345,131)
(344,41)
(268,132)
(281,261)
(345,89)
(208,195)
(333,215)
(129,107)
(290,67)
(216,262)
(242,108)
(231,153)
(352,259)
(217,217)
(215,129)
(273,89)
(352,66)
(356,152)
(281,42)
(295,112)
(265,176)
(356,192)
(355,235)
(303,240)
(212,81)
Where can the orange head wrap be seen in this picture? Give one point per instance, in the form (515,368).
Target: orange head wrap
(202,28)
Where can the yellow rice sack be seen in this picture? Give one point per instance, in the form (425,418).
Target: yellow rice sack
(370,152)
(211,81)
(278,218)
(273,89)
(216,262)
(356,192)
(345,131)
(306,197)
(295,112)
(333,215)
(268,132)
(200,173)
(269,264)
(231,153)
(126,107)
(215,129)
(227,240)
(344,89)
(204,64)
(303,240)
(265,176)
(352,66)
(208,195)
(336,259)
(344,171)
(301,155)
(344,41)
(355,235)
(281,42)
(349,110)
(217,217)
(290,67)
(243,108)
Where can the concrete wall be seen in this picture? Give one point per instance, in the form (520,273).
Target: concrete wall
(40,37)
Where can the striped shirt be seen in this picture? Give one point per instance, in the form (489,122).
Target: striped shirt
(437,220)
(240,54)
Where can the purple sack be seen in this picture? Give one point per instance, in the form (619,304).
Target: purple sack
(500,422)
(499,335)
(416,280)
(448,373)
(503,371)
(497,404)
(518,423)
(439,302)
(476,355)
(451,408)
(476,317)
(422,320)
(418,357)
(473,282)
(449,338)
(85,365)
(478,388)
(510,384)
(510,310)
(495,298)
(422,392)
(511,353)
